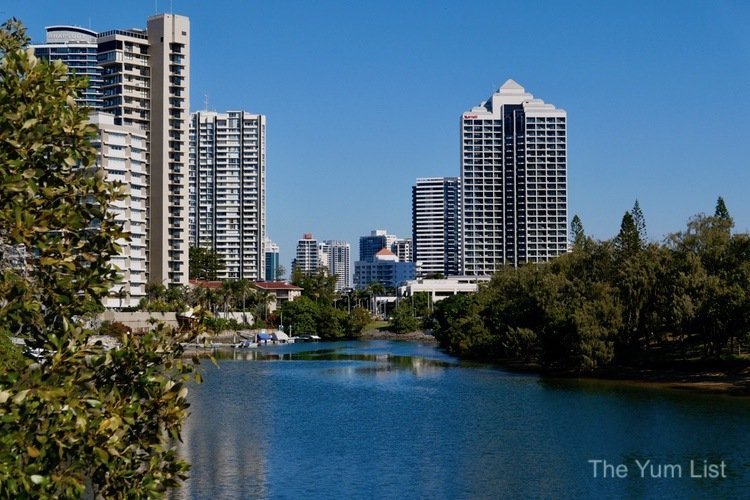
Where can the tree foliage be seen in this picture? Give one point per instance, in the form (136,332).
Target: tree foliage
(81,420)
(610,302)
(403,319)
(640,221)
(577,234)
(721,211)
(54,199)
(205,263)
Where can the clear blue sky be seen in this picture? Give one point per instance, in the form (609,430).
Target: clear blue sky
(364,97)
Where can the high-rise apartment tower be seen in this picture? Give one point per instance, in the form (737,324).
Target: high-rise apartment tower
(271,250)
(514,181)
(142,78)
(77,48)
(436,212)
(307,257)
(228,189)
(336,256)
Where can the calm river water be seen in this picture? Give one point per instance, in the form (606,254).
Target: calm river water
(387,419)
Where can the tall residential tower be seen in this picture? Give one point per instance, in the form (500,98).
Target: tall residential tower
(436,213)
(336,256)
(228,189)
(141,77)
(514,181)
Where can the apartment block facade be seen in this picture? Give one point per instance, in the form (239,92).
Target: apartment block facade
(336,256)
(227,190)
(142,78)
(436,223)
(307,258)
(513,181)
(121,153)
(77,48)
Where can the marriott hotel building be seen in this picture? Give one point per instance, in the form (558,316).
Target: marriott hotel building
(513,181)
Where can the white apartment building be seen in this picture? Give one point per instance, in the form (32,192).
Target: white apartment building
(307,256)
(121,152)
(436,225)
(514,181)
(142,78)
(336,257)
(228,189)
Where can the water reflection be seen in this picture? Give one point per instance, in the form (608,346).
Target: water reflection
(377,363)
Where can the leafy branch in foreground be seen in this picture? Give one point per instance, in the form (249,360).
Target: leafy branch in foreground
(77,420)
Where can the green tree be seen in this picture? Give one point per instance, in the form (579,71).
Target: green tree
(331,322)
(302,315)
(358,319)
(10,355)
(628,240)
(403,319)
(280,272)
(640,221)
(54,198)
(205,263)
(318,286)
(721,210)
(577,234)
(86,421)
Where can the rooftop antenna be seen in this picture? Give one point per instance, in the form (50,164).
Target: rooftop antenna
(206,100)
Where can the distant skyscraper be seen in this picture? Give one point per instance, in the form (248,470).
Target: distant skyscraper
(142,78)
(335,255)
(227,189)
(77,49)
(307,259)
(272,260)
(514,181)
(436,225)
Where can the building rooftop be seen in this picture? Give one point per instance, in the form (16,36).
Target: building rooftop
(275,285)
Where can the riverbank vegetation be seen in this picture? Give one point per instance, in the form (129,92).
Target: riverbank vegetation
(621,302)
(322,311)
(76,420)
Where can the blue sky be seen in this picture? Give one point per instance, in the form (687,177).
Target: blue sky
(364,97)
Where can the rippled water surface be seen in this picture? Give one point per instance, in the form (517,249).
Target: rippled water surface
(387,419)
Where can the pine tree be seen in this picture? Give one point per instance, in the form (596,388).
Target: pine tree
(577,234)
(721,210)
(628,240)
(640,221)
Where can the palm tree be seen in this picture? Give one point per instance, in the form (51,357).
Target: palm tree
(264,299)
(212,299)
(244,289)
(122,293)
